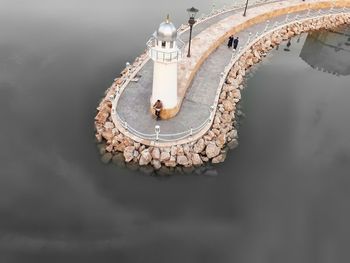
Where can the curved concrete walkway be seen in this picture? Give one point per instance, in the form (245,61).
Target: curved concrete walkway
(133,104)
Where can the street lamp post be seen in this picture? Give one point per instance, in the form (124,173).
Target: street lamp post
(245,9)
(192,13)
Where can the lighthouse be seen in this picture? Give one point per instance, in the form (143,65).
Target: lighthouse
(165,53)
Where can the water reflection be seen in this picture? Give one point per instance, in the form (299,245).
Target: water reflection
(328,51)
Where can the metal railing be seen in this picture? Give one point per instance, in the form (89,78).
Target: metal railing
(173,137)
(165,56)
(309,14)
(225,9)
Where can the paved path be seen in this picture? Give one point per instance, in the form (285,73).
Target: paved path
(133,105)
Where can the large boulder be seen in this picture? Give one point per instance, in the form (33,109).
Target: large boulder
(109,125)
(108,135)
(156,154)
(173,150)
(232,144)
(156,164)
(199,146)
(219,159)
(196,159)
(102,116)
(212,150)
(171,162)
(182,160)
(221,140)
(129,153)
(228,106)
(145,158)
(164,156)
(236,94)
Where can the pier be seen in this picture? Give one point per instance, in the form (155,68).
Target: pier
(203,76)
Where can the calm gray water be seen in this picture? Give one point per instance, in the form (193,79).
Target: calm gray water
(282,196)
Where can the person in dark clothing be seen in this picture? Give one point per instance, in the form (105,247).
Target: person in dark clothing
(230,40)
(288,45)
(158,106)
(235,43)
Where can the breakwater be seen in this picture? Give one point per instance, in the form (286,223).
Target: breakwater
(213,144)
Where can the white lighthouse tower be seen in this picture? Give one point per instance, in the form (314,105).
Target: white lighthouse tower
(165,53)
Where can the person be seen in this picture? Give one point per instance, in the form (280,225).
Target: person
(235,43)
(158,106)
(288,45)
(230,40)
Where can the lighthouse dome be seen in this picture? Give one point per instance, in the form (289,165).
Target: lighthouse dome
(166,31)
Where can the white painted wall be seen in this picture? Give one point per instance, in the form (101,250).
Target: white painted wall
(165,84)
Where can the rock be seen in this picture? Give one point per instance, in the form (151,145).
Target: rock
(102,116)
(101,148)
(127,142)
(108,135)
(106,158)
(211,134)
(118,159)
(98,137)
(118,139)
(236,94)
(250,62)
(115,131)
(120,147)
(156,154)
(156,164)
(204,158)
(180,150)
(109,125)
(233,144)
(109,148)
(145,158)
(137,145)
(142,147)
(199,146)
(164,156)
(173,150)
(196,159)
(239,79)
(216,132)
(233,134)
(226,118)
(212,150)
(186,149)
(219,159)
(136,153)
(129,153)
(171,162)
(182,160)
(216,126)
(223,95)
(221,140)
(217,120)
(242,72)
(256,54)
